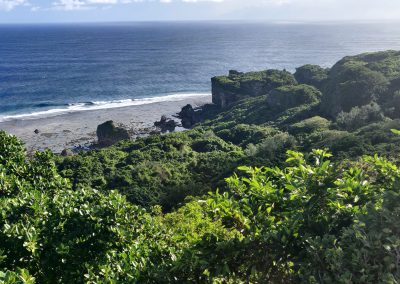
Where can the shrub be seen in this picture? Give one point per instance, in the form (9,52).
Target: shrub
(212,144)
(310,222)
(244,134)
(310,125)
(272,148)
(287,97)
(368,250)
(50,233)
(359,116)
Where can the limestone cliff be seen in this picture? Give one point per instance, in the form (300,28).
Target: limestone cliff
(229,89)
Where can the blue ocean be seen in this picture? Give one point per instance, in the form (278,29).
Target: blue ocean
(50,69)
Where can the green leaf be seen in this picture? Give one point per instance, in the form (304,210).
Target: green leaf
(395,131)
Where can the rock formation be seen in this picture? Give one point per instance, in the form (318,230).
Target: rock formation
(229,89)
(109,134)
(287,97)
(67,153)
(313,75)
(166,124)
(188,116)
(356,81)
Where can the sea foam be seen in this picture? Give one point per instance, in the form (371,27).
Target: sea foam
(99,105)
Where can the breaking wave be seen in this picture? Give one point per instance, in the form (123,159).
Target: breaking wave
(97,105)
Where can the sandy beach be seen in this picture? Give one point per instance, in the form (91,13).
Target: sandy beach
(71,130)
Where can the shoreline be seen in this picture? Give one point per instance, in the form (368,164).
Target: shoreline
(78,129)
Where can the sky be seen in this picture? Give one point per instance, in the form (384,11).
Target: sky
(43,11)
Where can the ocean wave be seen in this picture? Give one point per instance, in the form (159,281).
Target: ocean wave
(99,105)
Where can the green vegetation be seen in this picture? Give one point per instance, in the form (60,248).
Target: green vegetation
(243,197)
(307,222)
(255,83)
(287,97)
(360,80)
(226,89)
(313,75)
(310,125)
(359,116)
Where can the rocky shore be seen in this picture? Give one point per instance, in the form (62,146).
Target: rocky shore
(77,130)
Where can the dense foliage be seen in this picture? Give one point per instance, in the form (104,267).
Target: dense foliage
(232,200)
(310,221)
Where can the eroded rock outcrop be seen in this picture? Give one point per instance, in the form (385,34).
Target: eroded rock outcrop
(356,81)
(287,97)
(109,134)
(229,89)
(67,153)
(166,124)
(188,116)
(313,75)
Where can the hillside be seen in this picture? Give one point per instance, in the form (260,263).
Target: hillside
(242,197)
(255,129)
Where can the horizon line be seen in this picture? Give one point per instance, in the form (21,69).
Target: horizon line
(266,21)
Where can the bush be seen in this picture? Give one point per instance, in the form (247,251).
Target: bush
(310,125)
(244,134)
(287,217)
(50,233)
(212,144)
(365,252)
(287,97)
(272,148)
(359,116)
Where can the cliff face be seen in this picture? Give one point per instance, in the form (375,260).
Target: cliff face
(229,89)
(221,95)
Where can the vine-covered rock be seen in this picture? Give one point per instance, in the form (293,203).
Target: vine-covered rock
(360,80)
(287,97)
(313,75)
(109,134)
(229,89)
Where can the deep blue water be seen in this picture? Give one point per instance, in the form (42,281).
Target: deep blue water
(47,67)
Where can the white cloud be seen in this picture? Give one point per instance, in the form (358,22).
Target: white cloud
(72,5)
(234,9)
(69,5)
(196,1)
(102,1)
(8,5)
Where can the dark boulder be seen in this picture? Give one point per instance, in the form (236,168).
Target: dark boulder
(36,131)
(109,134)
(166,124)
(235,73)
(67,153)
(188,116)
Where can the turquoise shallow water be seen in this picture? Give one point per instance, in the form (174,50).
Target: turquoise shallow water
(51,69)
